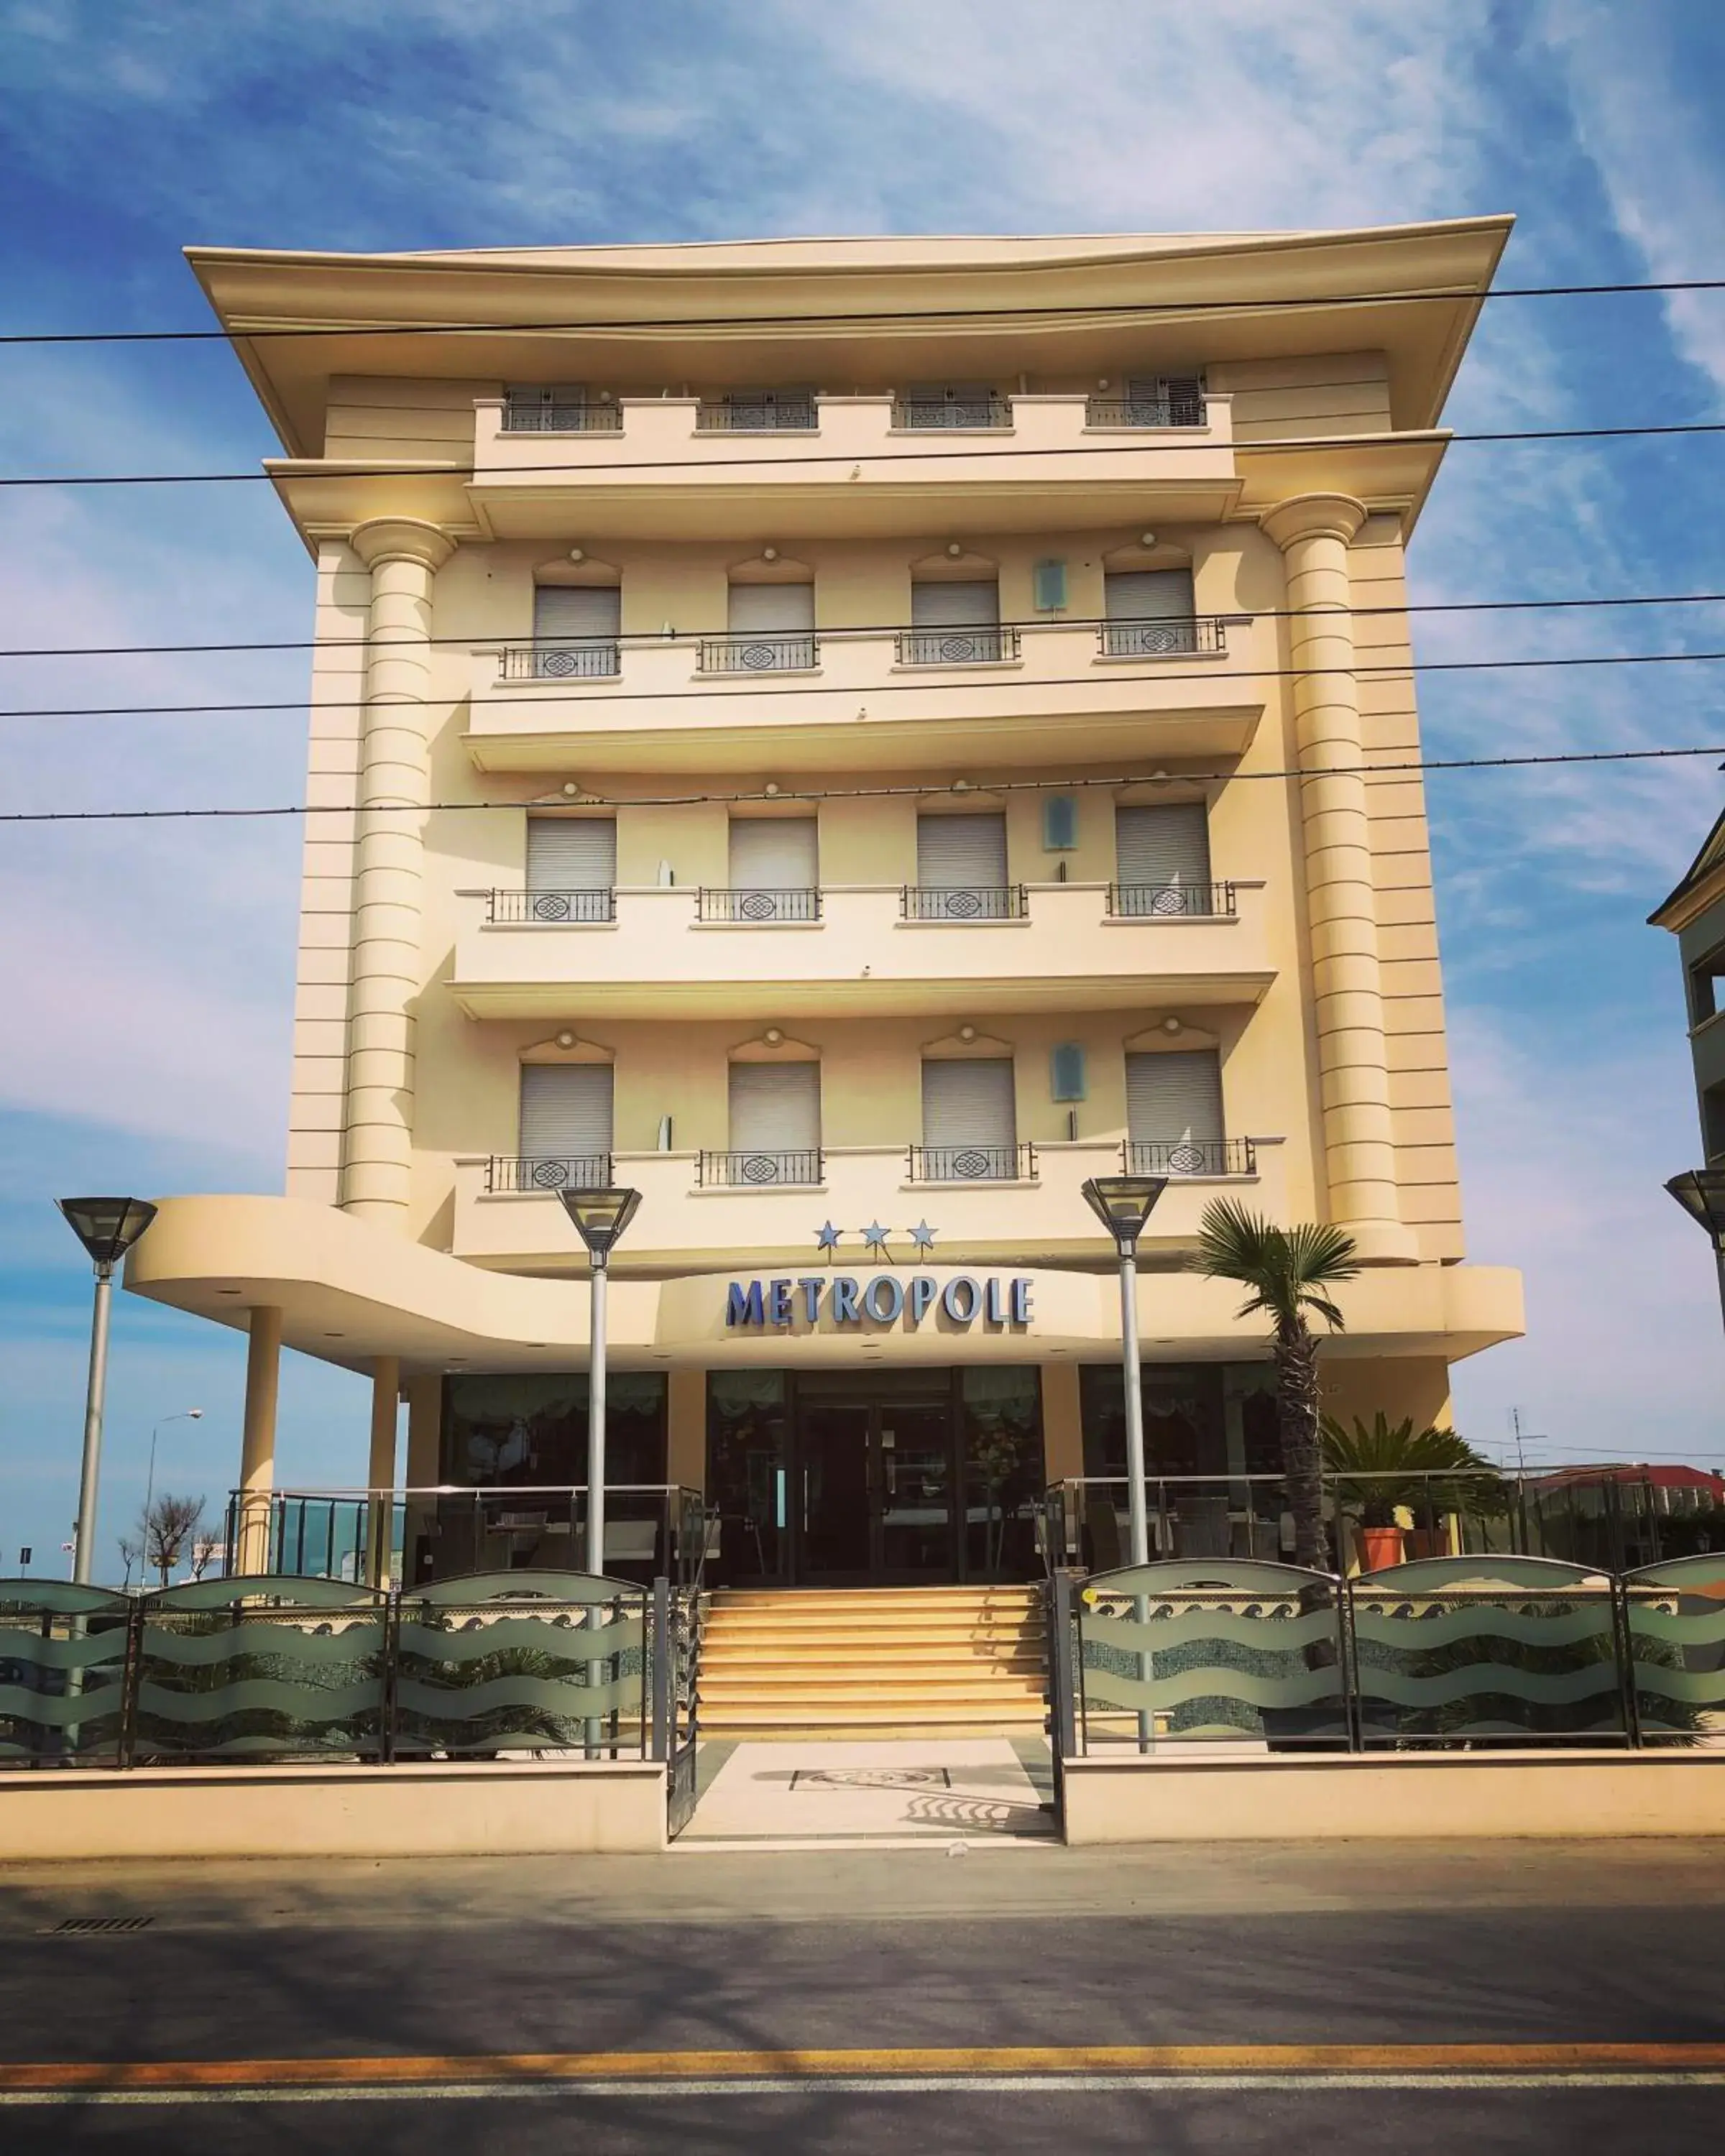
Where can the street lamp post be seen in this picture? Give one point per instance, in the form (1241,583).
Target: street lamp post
(107,1228)
(184,1414)
(600,1217)
(1701,1193)
(1123,1203)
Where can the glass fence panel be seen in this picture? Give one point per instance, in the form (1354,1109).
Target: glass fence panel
(493,1664)
(1674,1615)
(234,1669)
(1238,1653)
(1464,1651)
(63,1669)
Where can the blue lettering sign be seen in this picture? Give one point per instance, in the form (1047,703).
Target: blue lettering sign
(963,1289)
(895,1299)
(744,1309)
(922,1293)
(779,1301)
(996,1309)
(1021,1301)
(844,1304)
(883,1300)
(811,1286)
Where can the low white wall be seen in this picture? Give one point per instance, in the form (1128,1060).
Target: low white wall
(1313,1797)
(489,1807)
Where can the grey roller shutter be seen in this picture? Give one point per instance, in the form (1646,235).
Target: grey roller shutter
(1150,611)
(1173,1108)
(565,1116)
(1166,400)
(771,609)
(775,1108)
(971,603)
(1162,859)
(775,853)
(970,1121)
(960,850)
(572,853)
(576,610)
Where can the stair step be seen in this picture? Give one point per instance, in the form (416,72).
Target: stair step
(935,1714)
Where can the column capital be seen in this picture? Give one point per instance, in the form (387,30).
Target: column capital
(1314,516)
(402,539)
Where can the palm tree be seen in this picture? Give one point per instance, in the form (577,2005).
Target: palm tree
(1287,1271)
(1380,1465)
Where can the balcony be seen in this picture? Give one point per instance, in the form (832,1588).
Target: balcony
(915,698)
(869,466)
(972,1163)
(1214,1157)
(1190,410)
(533,415)
(1172,902)
(589,1171)
(553,908)
(862,950)
(704,1212)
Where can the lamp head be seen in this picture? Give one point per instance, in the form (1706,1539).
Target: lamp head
(107,1227)
(1701,1193)
(600,1217)
(1123,1203)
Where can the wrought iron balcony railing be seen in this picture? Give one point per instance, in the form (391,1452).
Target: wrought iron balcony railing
(585,1171)
(1179,411)
(757,415)
(956,413)
(593,658)
(797,653)
(973,1163)
(1005,902)
(508,908)
(803,1167)
(752,908)
(1189,1156)
(1206,634)
(530,415)
(956,647)
(1180,901)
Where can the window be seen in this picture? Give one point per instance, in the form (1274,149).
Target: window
(575,629)
(970,1121)
(566,1122)
(1162,859)
(775,1123)
(571,867)
(1150,611)
(775,871)
(771,630)
(955,622)
(1713,1120)
(1704,977)
(1173,1113)
(961,869)
(1165,400)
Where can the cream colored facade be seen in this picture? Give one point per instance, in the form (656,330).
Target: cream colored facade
(403,1246)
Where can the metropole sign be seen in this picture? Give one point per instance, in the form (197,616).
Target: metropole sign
(844,1301)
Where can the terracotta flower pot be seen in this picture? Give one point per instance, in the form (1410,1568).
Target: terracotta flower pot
(1380,1548)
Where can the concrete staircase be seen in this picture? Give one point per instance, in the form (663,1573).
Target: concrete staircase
(871,1661)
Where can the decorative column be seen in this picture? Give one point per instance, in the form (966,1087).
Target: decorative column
(1314,532)
(403,557)
(257,1441)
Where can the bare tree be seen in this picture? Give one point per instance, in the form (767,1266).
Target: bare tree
(169,1525)
(132,1549)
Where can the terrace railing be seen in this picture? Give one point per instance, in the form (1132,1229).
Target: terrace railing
(753,907)
(1189,1156)
(1162,638)
(976,901)
(587,659)
(972,1163)
(803,1166)
(958,647)
(534,415)
(1172,902)
(958,412)
(555,908)
(792,652)
(584,1171)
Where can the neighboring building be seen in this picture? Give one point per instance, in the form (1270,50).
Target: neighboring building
(1695,914)
(854,733)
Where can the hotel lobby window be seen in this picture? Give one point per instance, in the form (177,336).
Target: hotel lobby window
(747,1461)
(1000,1410)
(530,1429)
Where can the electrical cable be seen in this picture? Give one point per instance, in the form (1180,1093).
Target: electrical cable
(933,316)
(1368,773)
(422,468)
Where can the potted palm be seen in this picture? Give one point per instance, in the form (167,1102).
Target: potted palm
(1287,1272)
(1383,1467)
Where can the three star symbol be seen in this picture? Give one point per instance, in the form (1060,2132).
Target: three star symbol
(921,1237)
(826,1237)
(875,1237)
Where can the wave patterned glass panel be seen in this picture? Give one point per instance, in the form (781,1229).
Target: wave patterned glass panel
(63,1651)
(1676,1621)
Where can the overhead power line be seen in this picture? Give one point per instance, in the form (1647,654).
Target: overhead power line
(1370,774)
(600,327)
(606,701)
(856,629)
(423,468)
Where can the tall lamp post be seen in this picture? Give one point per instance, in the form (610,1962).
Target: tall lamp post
(600,1217)
(1701,1193)
(107,1228)
(184,1414)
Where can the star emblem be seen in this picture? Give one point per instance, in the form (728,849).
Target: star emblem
(922,1237)
(826,1237)
(875,1237)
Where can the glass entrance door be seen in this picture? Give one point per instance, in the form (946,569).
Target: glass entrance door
(875,1478)
(836,1471)
(915,1491)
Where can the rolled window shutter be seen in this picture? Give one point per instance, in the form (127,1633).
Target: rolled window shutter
(1163,847)
(572,853)
(775,853)
(974,603)
(1148,595)
(775,1107)
(576,610)
(566,1110)
(956,853)
(1174,1097)
(771,609)
(968,1102)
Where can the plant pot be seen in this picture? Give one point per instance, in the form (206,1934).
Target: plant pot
(1427,1542)
(1380,1548)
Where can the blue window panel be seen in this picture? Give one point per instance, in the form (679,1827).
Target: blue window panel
(1066,1071)
(1049,585)
(1060,823)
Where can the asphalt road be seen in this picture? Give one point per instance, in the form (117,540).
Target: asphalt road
(1013,2000)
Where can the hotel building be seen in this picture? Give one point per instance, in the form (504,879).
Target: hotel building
(850,738)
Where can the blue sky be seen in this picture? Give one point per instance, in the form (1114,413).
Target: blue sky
(148,975)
